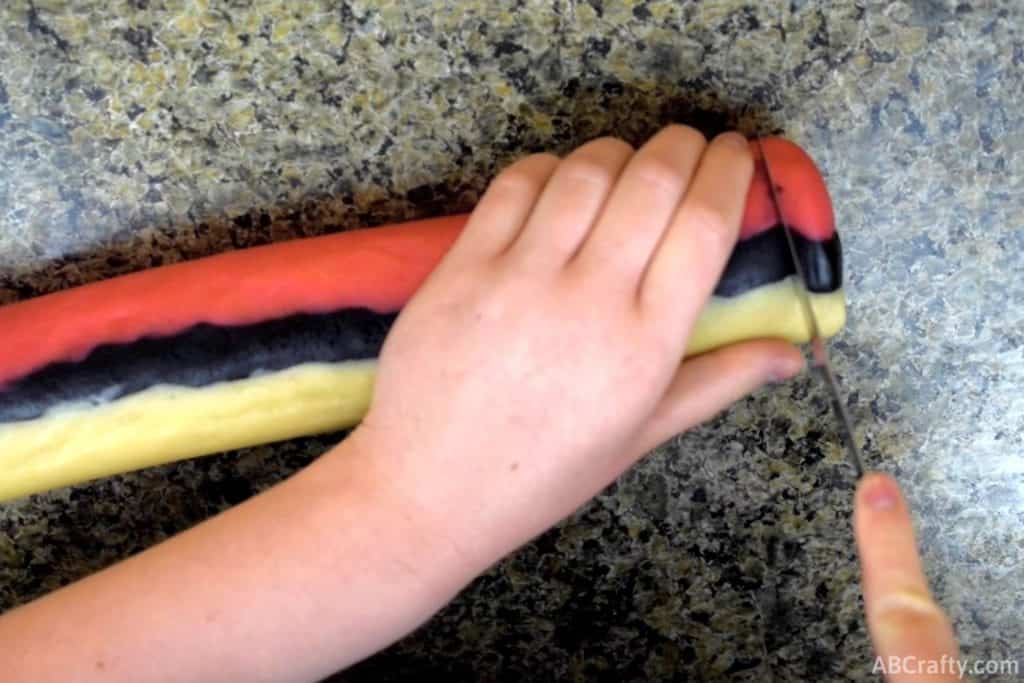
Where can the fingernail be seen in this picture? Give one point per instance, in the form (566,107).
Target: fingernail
(880,492)
(734,139)
(786,369)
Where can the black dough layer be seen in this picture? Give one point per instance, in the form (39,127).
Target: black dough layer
(206,354)
(200,356)
(764,258)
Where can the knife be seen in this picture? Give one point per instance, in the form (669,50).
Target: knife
(819,350)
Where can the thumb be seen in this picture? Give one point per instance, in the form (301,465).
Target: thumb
(709,383)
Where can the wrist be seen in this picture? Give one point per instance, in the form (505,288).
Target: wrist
(467,512)
(419,545)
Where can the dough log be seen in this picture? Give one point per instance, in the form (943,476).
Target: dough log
(280,341)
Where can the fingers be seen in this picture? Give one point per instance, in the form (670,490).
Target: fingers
(569,205)
(702,235)
(643,203)
(906,624)
(657,222)
(505,206)
(707,384)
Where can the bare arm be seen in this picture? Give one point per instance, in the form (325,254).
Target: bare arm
(296,583)
(540,361)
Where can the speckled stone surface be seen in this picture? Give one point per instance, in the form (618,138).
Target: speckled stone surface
(145,132)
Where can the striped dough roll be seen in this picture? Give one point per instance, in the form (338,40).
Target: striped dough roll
(280,341)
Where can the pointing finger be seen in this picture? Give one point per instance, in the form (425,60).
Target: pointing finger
(908,628)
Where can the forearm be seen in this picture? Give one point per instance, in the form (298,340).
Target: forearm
(303,580)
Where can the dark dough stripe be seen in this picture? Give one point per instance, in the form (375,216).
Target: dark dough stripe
(203,355)
(373,268)
(764,258)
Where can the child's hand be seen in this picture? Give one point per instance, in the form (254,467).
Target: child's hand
(542,357)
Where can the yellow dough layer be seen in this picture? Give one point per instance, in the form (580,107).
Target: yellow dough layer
(165,424)
(773,311)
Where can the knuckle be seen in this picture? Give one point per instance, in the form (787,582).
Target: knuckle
(660,174)
(589,170)
(710,226)
(597,162)
(524,177)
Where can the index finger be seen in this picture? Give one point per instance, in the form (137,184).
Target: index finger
(910,632)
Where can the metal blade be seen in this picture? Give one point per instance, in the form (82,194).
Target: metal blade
(818,347)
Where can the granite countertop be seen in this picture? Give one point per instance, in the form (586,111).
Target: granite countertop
(146,132)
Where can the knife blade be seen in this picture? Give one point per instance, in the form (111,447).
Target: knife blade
(819,349)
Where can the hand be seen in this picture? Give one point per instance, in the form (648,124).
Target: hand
(911,634)
(542,358)
(539,361)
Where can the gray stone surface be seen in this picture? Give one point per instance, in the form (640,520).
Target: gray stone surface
(145,132)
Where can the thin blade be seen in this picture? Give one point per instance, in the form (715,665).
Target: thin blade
(818,347)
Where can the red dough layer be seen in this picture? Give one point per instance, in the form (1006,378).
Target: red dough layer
(376,268)
(801,191)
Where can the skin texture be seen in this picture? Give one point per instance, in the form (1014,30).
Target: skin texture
(575,285)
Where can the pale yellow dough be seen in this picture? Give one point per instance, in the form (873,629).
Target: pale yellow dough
(166,424)
(772,311)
